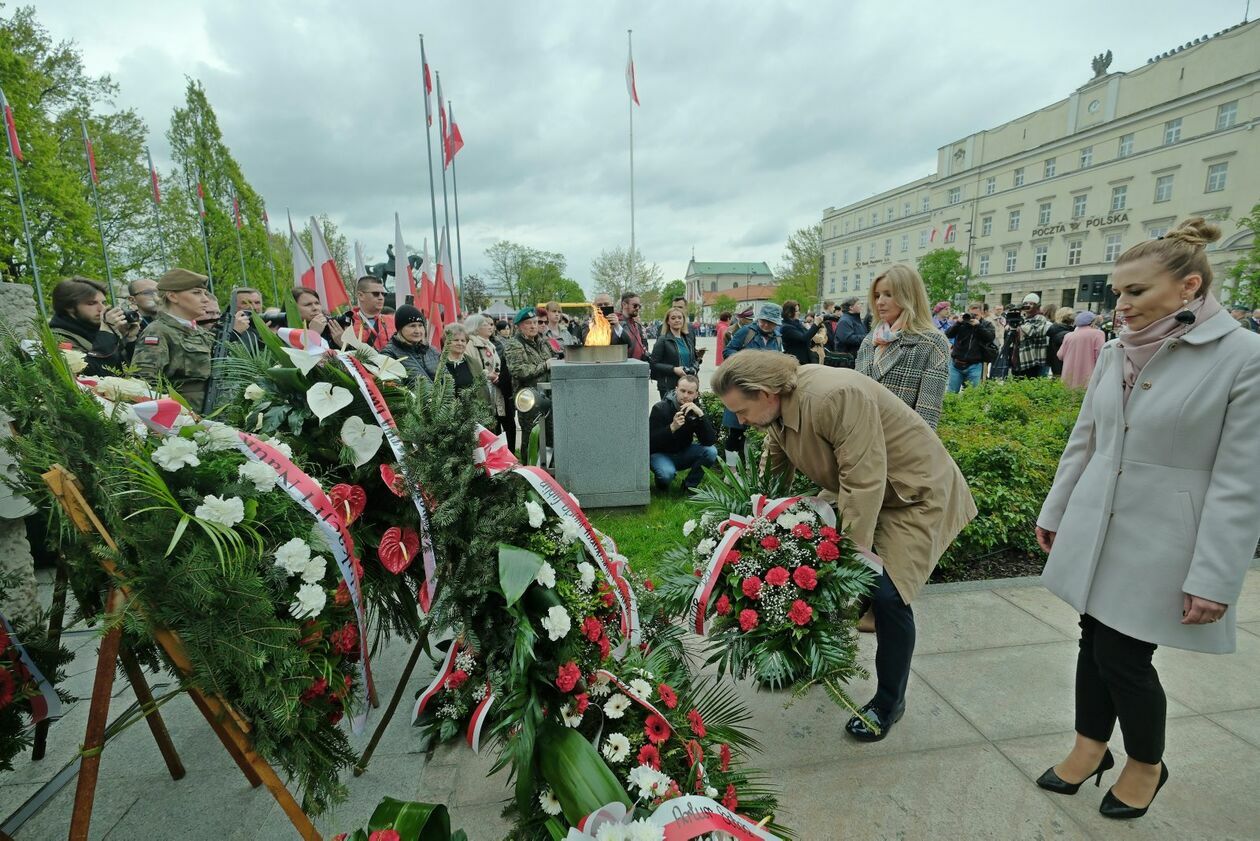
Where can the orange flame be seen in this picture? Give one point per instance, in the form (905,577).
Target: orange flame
(600,333)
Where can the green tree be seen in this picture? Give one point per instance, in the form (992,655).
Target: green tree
(543,280)
(1244,276)
(945,276)
(800,290)
(725,303)
(476,293)
(610,272)
(799,269)
(670,291)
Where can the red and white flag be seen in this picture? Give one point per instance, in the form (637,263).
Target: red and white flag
(153,178)
(435,314)
(236,209)
(303,268)
(328,283)
(631,88)
(404,280)
(443,132)
(424,300)
(428,84)
(11,128)
(932,238)
(91,153)
(949,231)
(456,141)
(201,200)
(446,289)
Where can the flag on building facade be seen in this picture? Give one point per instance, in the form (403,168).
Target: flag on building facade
(949,233)
(932,238)
(631,88)
(11,128)
(303,268)
(328,282)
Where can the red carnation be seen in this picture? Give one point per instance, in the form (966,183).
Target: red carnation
(343,595)
(724,754)
(827,551)
(803,531)
(729,800)
(800,613)
(733,556)
(345,640)
(697,724)
(648,585)
(385,835)
(608,598)
(776,576)
(456,679)
(723,605)
(592,628)
(747,620)
(605,647)
(656,729)
(649,755)
(752,587)
(397,484)
(668,696)
(828,533)
(805,578)
(319,687)
(335,717)
(568,676)
(581,702)
(770,543)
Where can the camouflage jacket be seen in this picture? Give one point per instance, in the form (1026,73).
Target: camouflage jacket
(527,360)
(167,349)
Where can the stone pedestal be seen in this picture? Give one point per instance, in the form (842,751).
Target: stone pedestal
(601,431)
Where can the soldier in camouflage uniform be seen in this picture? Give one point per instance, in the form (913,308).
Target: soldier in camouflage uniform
(528,358)
(173,347)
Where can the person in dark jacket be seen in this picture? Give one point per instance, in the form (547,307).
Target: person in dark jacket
(970,335)
(410,344)
(673,355)
(848,335)
(762,334)
(1062,320)
(681,436)
(796,337)
(82,320)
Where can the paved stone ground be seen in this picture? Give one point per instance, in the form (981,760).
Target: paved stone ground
(990,707)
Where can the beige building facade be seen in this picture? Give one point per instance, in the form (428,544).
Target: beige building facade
(749,285)
(1037,203)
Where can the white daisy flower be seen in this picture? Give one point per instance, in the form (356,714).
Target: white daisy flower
(616,706)
(642,688)
(549,803)
(570,715)
(616,747)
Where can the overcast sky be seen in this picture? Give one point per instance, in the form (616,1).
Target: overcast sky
(754,116)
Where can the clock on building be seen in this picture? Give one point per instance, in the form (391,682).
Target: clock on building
(1094,105)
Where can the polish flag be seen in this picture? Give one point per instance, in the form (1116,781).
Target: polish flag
(631,88)
(428,84)
(11,128)
(456,140)
(91,153)
(404,280)
(328,283)
(201,200)
(445,289)
(443,132)
(437,315)
(949,229)
(932,238)
(153,179)
(424,298)
(360,265)
(303,268)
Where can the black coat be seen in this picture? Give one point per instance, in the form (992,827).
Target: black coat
(661,439)
(970,338)
(1056,333)
(664,360)
(797,338)
(850,331)
(419,360)
(106,352)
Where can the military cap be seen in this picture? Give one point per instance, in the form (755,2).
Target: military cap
(524,313)
(180,280)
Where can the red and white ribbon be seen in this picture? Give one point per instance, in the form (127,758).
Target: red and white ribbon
(478,720)
(46,704)
(159,415)
(679,819)
(307,340)
(439,680)
(385,420)
(493,454)
(630,693)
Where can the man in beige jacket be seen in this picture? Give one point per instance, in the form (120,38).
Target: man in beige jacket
(898,492)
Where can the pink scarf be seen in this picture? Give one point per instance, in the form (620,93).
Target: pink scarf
(1141,345)
(884,335)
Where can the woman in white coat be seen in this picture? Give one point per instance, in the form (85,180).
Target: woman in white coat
(1155,510)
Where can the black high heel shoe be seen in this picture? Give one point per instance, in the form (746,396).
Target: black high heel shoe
(1113,807)
(1051,781)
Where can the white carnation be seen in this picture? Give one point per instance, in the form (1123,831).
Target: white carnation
(281,446)
(293,556)
(216,436)
(535,512)
(569,530)
(76,360)
(642,688)
(549,803)
(226,512)
(689,527)
(122,388)
(616,706)
(557,623)
(546,576)
(587,579)
(263,476)
(175,453)
(310,601)
(616,747)
(254,392)
(648,780)
(710,792)
(706,546)
(313,572)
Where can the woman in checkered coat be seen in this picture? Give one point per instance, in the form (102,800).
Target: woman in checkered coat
(904,351)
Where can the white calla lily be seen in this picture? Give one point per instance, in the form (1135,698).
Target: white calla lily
(363,439)
(303,360)
(326,399)
(387,368)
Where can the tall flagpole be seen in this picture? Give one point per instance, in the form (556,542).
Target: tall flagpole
(442,129)
(96,199)
(630,45)
(459,249)
(205,238)
(157,216)
(271,263)
(428,140)
(240,252)
(11,134)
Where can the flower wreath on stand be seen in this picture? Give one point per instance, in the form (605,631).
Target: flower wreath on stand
(27,697)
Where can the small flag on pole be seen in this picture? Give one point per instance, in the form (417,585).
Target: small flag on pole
(443,133)
(91,153)
(425,297)
(360,265)
(201,200)
(456,141)
(404,281)
(428,83)
(328,284)
(11,128)
(236,209)
(631,88)
(303,268)
(153,179)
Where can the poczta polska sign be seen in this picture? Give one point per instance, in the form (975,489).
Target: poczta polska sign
(1077,224)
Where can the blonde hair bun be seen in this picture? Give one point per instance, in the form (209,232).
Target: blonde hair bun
(1197,231)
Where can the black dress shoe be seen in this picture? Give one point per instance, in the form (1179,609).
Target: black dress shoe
(1112,807)
(882,722)
(1051,781)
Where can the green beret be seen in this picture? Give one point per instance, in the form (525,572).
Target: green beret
(181,280)
(524,313)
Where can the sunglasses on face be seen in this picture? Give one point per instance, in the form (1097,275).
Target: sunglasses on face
(380,294)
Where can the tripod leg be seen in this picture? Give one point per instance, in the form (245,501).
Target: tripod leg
(154,718)
(94,738)
(220,730)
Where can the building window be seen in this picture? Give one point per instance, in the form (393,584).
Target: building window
(832,285)
(1111,249)
(905,243)
(1087,157)
(713,286)
(1012,222)
(1051,167)
(844,258)
(926,204)
(846,226)
(735,285)
(870,276)
(1118,196)
(1163,188)
(1019,177)
(1172,131)
(1010,259)
(951,233)
(1226,115)
(986,225)
(875,218)
(888,215)
(1067,297)
(1074,251)
(1156,233)
(984,264)
(888,248)
(955,195)
(1126,146)
(990,185)
(905,209)
(1078,206)
(1043,213)
(1216,178)
(833,259)
(1006,299)
(1039,256)
(858,256)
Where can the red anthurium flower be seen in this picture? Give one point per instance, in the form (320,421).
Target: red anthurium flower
(800,612)
(697,723)
(805,578)
(776,576)
(649,755)
(395,482)
(349,500)
(668,696)
(656,729)
(398,548)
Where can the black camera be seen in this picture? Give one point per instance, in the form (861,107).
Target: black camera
(131,316)
(606,309)
(966,316)
(345,319)
(1014,318)
(275,319)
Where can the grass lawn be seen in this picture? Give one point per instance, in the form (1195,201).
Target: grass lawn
(643,536)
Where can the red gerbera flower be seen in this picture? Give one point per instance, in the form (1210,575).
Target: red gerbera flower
(385,835)
(724,754)
(668,696)
(828,533)
(770,543)
(592,628)
(752,587)
(456,679)
(723,605)
(800,613)
(697,723)
(777,576)
(649,755)
(747,620)
(803,531)
(827,551)
(805,578)
(568,676)
(656,729)
(729,800)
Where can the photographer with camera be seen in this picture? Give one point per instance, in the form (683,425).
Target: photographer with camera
(368,321)
(245,302)
(1028,339)
(973,346)
(681,435)
(82,320)
(673,355)
(314,318)
(142,300)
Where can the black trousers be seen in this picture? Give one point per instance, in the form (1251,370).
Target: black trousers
(894,645)
(1115,680)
